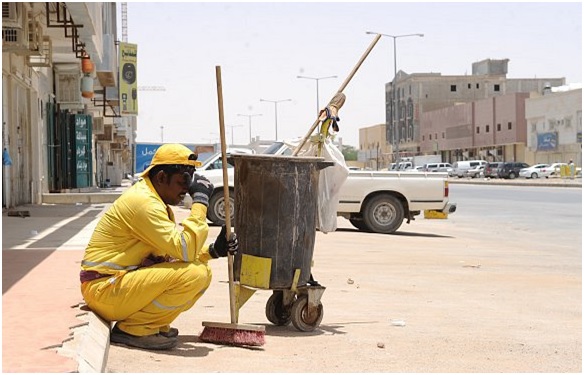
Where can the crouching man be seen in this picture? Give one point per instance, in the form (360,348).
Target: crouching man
(139,269)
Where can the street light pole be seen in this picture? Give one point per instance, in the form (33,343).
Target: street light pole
(249,122)
(233,126)
(276,110)
(317,79)
(394,113)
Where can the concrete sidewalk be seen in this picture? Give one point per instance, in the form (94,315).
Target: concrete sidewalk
(44,328)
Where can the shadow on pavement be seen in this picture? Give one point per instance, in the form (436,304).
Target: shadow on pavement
(399,233)
(19,232)
(17,263)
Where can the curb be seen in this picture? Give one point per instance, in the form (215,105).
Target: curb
(89,344)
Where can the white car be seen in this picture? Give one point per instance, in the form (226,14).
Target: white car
(478,171)
(536,171)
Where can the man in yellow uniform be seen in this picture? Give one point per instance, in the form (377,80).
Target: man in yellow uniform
(139,269)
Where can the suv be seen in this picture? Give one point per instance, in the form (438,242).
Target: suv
(491,169)
(511,170)
(437,167)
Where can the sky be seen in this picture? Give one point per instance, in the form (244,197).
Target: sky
(262,47)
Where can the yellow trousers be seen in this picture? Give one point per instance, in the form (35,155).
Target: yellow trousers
(147,300)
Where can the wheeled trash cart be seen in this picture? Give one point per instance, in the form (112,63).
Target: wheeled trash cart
(275,221)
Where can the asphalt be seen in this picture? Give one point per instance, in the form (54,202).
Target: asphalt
(45,327)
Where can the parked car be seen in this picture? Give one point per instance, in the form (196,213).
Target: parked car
(536,171)
(477,171)
(417,169)
(437,167)
(511,169)
(491,169)
(554,170)
(460,167)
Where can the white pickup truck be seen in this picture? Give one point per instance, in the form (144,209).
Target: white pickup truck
(372,201)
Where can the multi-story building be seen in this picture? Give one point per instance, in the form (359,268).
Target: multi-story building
(61,124)
(554,127)
(374,150)
(531,128)
(423,92)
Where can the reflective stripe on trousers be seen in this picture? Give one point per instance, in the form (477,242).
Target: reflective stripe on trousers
(148,299)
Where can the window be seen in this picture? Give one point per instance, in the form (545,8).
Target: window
(497,88)
(487,129)
(435,135)
(469,85)
(443,135)
(430,137)
(478,130)
(477,85)
(423,138)
(452,88)
(498,127)
(509,126)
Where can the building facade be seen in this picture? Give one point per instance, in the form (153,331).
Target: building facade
(492,129)
(418,93)
(61,125)
(374,149)
(554,127)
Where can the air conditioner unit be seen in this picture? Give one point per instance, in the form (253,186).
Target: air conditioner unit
(11,15)
(68,87)
(35,37)
(15,30)
(45,56)
(97,127)
(108,134)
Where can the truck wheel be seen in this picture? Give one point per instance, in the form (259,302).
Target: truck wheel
(512,175)
(359,224)
(216,211)
(383,214)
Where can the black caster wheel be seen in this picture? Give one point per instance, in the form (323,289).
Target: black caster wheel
(276,312)
(301,318)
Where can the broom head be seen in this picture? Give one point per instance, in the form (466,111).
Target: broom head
(233,334)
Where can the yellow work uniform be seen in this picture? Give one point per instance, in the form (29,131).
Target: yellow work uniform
(145,300)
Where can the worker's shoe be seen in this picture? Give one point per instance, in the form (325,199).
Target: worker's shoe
(151,342)
(173,332)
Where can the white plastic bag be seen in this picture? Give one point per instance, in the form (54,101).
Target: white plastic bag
(330,181)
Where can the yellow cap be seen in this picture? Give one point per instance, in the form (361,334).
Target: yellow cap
(173,153)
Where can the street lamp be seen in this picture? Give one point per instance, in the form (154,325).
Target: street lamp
(394,88)
(233,126)
(249,121)
(276,110)
(317,79)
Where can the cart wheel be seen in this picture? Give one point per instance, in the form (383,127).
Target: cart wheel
(300,318)
(276,312)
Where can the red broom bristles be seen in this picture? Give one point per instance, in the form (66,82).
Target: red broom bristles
(232,336)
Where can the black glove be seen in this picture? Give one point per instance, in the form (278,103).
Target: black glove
(200,189)
(221,246)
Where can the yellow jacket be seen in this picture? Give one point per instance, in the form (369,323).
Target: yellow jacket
(139,224)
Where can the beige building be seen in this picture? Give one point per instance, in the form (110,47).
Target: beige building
(61,124)
(374,151)
(554,127)
(424,92)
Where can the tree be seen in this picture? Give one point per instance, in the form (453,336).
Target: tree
(349,153)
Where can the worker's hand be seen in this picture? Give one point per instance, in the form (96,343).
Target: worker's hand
(222,247)
(200,189)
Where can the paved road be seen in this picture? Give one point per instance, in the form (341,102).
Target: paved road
(485,291)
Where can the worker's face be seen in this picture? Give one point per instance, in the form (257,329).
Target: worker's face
(171,188)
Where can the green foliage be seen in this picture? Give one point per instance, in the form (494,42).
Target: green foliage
(350,153)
